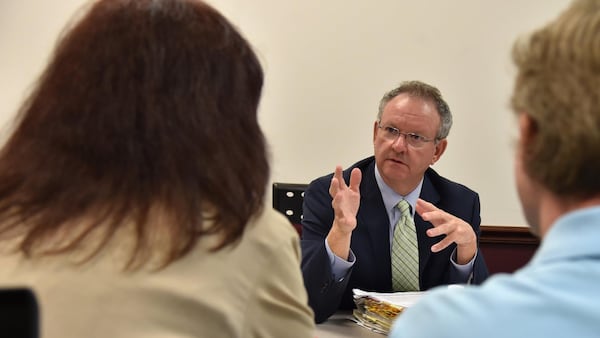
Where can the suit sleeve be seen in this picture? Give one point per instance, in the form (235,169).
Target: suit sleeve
(480,271)
(324,293)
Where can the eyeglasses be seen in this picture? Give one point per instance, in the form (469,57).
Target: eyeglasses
(414,140)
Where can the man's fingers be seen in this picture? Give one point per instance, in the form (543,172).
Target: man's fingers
(437,230)
(455,230)
(340,178)
(337,181)
(355,178)
(425,206)
(338,171)
(424,209)
(431,213)
(333,187)
(441,245)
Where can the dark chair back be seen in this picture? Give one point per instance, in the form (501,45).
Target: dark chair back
(287,199)
(19,313)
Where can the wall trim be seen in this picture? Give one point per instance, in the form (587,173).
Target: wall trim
(519,235)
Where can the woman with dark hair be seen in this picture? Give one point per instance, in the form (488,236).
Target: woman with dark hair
(132,187)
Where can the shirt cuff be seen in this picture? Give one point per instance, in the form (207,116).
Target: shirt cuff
(339,266)
(465,271)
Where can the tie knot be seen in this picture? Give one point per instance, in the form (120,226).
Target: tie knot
(404,207)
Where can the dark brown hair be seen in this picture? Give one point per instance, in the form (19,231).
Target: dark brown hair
(146,116)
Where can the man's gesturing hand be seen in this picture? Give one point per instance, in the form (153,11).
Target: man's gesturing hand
(345,203)
(456,231)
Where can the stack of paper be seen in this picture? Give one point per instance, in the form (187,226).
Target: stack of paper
(377,311)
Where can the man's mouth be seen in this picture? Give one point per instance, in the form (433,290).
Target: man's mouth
(397,161)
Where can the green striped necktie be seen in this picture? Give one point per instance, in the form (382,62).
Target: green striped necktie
(405,252)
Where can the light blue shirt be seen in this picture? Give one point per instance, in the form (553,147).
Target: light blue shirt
(339,266)
(557,294)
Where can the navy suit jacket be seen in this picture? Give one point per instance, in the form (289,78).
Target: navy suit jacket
(371,240)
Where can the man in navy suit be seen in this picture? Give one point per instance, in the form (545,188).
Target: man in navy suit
(349,216)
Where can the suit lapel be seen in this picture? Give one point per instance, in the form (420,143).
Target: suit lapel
(373,216)
(429,194)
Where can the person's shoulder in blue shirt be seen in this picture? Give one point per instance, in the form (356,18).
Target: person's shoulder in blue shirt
(556,294)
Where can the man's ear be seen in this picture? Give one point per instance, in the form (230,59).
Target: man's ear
(527,129)
(440,147)
(375,130)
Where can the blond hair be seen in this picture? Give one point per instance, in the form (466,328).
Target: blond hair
(558,86)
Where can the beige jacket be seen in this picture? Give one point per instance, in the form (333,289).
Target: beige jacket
(254,289)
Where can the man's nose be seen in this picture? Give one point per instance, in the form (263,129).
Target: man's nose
(400,142)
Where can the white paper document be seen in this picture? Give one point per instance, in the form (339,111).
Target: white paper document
(377,310)
(402,299)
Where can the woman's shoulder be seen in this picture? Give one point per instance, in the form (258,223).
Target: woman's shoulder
(271,226)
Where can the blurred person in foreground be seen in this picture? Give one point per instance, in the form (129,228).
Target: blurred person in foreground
(556,100)
(132,188)
(351,217)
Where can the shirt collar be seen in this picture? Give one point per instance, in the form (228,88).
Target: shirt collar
(391,198)
(572,236)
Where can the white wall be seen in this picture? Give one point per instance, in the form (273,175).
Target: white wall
(328,63)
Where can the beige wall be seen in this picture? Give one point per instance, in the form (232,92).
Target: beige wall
(327,64)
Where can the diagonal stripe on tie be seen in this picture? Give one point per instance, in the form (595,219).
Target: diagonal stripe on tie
(405,252)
